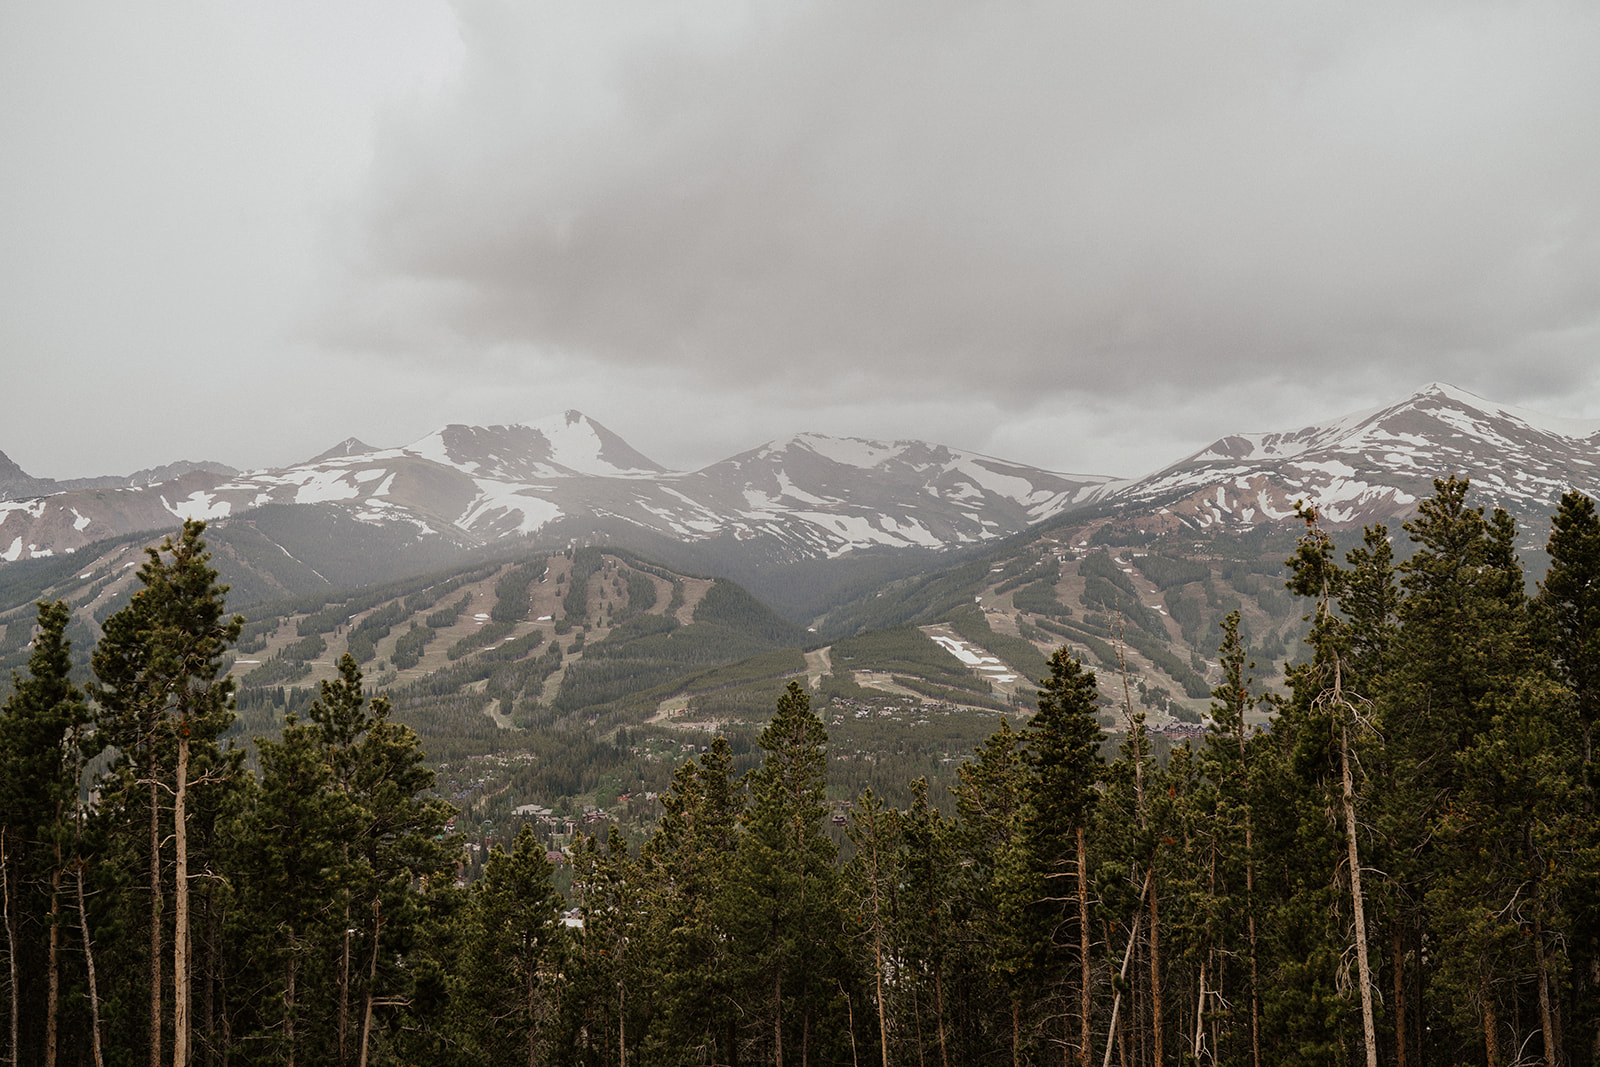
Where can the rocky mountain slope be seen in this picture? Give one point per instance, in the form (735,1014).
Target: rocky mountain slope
(1372,466)
(569,478)
(806,498)
(17,484)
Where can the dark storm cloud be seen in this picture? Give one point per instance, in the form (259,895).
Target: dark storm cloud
(1005,199)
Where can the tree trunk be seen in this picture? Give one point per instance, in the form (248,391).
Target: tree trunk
(850,1019)
(1491,1024)
(88,956)
(372,979)
(344,992)
(1016,1031)
(1157,1056)
(777,1019)
(1200,1013)
(288,1002)
(155,920)
(532,994)
(1127,957)
(53,978)
(1399,976)
(1085,1051)
(180,909)
(1546,1016)
(1358,910)
(11,943)
(877,950)
(1250,904)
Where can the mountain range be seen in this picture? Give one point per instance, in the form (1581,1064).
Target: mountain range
(842,538)
(567,479)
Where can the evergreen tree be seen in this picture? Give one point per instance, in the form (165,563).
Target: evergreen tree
(686,866)
(1063,759)
(929,879)
(870,881)
(293,870)
(43,744)
(785,892)
(1568,625)
(163,706)
(1226,764)
(1325,722)
(1463,645)
(609,995)
(508,991)
(394,849)
(989,899)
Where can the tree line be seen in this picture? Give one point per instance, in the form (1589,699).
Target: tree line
(1403,869)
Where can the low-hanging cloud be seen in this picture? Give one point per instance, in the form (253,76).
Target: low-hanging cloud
(1005,199)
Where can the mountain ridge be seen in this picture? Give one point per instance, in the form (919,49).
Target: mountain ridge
(565,478)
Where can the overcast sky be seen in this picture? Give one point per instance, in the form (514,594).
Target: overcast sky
(1090,237)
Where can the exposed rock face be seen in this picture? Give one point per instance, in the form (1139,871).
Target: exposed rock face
(810,497)
(1373,466)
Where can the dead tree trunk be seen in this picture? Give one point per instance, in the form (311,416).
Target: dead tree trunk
(88,958)
(372,979)
(155,920)
(1358,909)
(1127,957)
(180,909)
(1546,1015)
(1085,1051)
(11,943)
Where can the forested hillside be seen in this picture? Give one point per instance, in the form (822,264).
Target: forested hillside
(1400,866)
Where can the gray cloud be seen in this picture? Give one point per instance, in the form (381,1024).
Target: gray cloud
(1007,200)
(1091,236)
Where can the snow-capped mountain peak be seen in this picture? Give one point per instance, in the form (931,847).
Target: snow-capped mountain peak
(553,447)
(565,477)
(1374,465)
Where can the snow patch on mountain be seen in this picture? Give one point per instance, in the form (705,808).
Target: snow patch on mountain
(850,451)
(199,505)
(321,486)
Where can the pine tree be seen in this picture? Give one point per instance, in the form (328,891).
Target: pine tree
(1227,766)
(1464,643)
(1568,626)
(392,842)
(513,956)
(1063,758)
(1325,719)
(990,896)
(871,880)
(929,869)
(609,993)
(785,885)
(686,868)
(163,706)
(293,870)
(44,742)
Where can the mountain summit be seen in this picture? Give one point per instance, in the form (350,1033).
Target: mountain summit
(555,447)
(566,478)
(1373,466)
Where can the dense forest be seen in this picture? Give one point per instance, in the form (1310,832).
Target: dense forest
(1403,869)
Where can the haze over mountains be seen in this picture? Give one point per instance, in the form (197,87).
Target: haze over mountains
(567,479)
